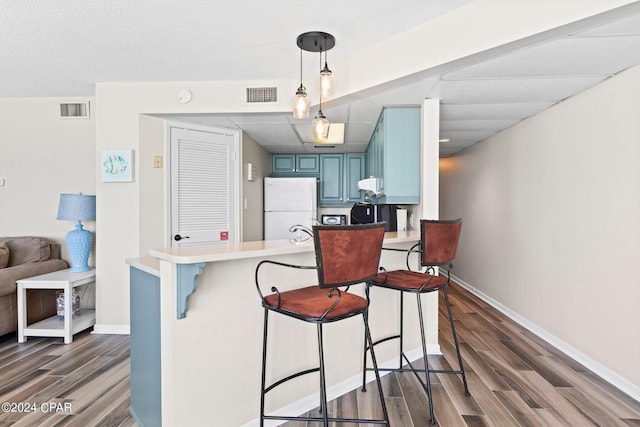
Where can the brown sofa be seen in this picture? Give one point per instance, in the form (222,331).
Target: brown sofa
(26,257)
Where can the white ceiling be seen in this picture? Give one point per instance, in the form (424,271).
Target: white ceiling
(60,48)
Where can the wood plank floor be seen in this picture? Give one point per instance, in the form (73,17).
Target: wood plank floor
(85,383)
(515,379)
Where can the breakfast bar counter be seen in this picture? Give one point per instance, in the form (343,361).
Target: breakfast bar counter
(196,333)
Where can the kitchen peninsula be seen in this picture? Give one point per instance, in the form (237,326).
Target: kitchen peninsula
(196,333)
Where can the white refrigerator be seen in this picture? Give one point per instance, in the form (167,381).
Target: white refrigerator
(287,202)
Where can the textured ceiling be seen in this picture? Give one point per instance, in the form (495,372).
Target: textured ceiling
(60,48)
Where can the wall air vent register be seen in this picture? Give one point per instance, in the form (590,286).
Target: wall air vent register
(262,95)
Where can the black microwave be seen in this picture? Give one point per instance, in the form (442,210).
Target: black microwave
(367,213)
(334,219)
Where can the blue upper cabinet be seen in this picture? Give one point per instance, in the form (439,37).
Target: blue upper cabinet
(331,180)
(339,176)
(354,171)
(393,155)
(295,165)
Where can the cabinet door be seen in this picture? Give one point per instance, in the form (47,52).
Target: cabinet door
(144,347)
(402,156)
(354,171)
(307,163)
(283,163)
(379,149)
(331,179)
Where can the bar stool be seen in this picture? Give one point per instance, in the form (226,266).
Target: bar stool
(437,248)
(345,255)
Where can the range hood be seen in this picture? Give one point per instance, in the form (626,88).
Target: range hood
(370,185)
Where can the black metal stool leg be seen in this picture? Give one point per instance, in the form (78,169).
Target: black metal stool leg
(455,341)
(264,366)
(323,385)
(367,334)
(426,362)
(364,352)
(401,329)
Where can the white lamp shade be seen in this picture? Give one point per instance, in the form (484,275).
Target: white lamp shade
(320,128)
(326,83)
(300,106)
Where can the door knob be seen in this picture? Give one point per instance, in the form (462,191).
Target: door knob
(178,237)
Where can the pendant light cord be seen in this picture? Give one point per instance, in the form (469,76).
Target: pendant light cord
(320,91)
(300,66)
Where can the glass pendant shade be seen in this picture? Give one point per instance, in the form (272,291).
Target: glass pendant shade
(320,127)
(301,104)
(326,84)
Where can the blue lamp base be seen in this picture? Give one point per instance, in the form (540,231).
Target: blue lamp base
(79,246)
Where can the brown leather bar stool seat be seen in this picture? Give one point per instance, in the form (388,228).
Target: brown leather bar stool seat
(437,248)
(345,256)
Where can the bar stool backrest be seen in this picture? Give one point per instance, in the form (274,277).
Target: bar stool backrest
(347,254)
(439,241)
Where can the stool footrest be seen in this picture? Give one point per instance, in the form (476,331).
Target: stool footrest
(290,377)
(330,419)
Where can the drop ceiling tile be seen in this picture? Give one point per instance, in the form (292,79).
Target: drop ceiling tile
(629,25)
(284,149)
(260,118)
(513,90)
(359,133)
(570,56)
(364,112)
(491,111)
(272,134)
(336,113)
(473,125)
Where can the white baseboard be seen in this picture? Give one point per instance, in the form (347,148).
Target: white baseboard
(310,402)
(111,329)
(605,373)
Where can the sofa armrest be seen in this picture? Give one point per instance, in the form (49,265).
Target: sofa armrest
(55,251)
(9,275)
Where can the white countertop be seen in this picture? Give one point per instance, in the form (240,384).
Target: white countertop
(242,250)
(148,264)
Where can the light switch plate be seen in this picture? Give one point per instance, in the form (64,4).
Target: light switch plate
(251,172)
(157,162)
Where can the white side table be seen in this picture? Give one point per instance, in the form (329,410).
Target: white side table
(54,326)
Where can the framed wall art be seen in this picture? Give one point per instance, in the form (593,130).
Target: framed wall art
(116,165)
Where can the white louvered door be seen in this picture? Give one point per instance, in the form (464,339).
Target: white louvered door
(202,187)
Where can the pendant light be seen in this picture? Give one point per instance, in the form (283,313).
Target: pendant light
(320,124)
(317,41)
(300,100)
(326,85)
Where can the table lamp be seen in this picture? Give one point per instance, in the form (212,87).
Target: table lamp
(78,207)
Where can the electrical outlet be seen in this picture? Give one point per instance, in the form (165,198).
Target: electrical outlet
(157,162)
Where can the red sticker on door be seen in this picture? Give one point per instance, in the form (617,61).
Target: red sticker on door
(224,235)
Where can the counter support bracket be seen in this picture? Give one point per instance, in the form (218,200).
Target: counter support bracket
(187,283)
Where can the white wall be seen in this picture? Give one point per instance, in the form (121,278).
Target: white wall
(42,156)
(551,230)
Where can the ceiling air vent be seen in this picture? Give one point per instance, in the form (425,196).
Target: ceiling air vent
(262,95)
(74,110)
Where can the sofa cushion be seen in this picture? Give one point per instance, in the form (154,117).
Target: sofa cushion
(27,249)
(4,255)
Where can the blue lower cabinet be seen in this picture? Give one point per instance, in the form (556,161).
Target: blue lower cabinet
(146,404)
